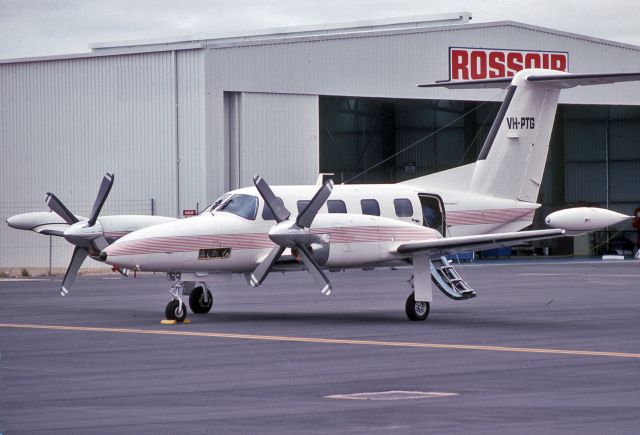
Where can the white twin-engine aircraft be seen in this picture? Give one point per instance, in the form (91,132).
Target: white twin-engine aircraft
(256,230)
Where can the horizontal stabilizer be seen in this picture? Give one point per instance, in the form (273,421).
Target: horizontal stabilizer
(561,80)
(471,84)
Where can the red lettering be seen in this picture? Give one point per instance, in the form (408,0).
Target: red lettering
(532,60)
(478,65)
(496,64)
(459,65)
(514,63)
(559,62)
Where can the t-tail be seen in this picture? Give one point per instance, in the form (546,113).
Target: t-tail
(512,160)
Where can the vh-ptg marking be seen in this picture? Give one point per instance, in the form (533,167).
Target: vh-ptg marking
(514,123)
(260,229)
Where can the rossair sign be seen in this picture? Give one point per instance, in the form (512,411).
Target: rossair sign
(489,63)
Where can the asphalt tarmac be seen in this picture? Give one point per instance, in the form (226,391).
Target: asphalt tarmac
(546,347)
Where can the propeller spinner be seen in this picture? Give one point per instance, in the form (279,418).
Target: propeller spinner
(86,235)
(291,234)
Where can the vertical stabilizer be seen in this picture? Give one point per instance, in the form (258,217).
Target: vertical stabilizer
(513,157)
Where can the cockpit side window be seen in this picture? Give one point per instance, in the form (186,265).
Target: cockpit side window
(245,206)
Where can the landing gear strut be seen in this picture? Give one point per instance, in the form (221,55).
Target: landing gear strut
(417,305)
(176,309)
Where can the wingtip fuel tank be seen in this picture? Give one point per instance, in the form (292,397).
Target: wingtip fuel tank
(584,219)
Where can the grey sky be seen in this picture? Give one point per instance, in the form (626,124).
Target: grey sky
(47,27)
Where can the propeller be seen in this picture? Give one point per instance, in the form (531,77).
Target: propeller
(292,234)
(86,235)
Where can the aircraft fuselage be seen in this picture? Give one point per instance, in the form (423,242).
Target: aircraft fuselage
(359,226)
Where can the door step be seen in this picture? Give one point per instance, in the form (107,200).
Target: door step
(448,280)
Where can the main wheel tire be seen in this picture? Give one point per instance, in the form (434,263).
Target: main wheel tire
(196,301)
(416,310)
(172,311)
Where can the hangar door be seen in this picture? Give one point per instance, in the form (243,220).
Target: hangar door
(274,135)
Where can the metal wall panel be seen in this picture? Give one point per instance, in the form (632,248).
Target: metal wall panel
(586,182)
(191,129)
(278,138)
(64,123)
(391,64)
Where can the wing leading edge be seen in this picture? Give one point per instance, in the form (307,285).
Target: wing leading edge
(452,245)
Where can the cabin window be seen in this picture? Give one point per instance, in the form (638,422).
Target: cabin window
(302,204)
(245,206)
(266,211)
(336,206)
(209,254)
(370,207)
(403,207)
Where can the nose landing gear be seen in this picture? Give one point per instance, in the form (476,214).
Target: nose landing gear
(200,298)
(176,310)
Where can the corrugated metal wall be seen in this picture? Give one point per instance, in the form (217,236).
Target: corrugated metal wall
(191,129)
(278,138)
(64,123)
(391,64)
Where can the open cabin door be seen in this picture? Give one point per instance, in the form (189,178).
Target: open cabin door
(433,213)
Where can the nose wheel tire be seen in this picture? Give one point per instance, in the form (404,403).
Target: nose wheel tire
(197,303)
(174,311)
(416,310)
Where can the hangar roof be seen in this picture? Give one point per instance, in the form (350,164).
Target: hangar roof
(356,29)
(315,30)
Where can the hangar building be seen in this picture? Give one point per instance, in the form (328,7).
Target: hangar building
(181,121)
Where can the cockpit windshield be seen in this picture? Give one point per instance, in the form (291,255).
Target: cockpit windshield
(217,203)
(245,206)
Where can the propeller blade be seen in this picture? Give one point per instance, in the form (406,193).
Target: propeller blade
(105,188)
(263,269)
(314,269)
(79,254)
(306,217)
(275,204)
(58,207)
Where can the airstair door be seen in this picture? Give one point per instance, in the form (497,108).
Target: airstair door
(433,213)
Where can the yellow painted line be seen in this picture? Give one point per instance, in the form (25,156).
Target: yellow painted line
(404,344)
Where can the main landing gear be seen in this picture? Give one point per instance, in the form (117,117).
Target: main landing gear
(416,310)
(443,276)
(200,298)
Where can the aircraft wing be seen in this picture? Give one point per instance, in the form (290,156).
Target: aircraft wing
(451,245)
